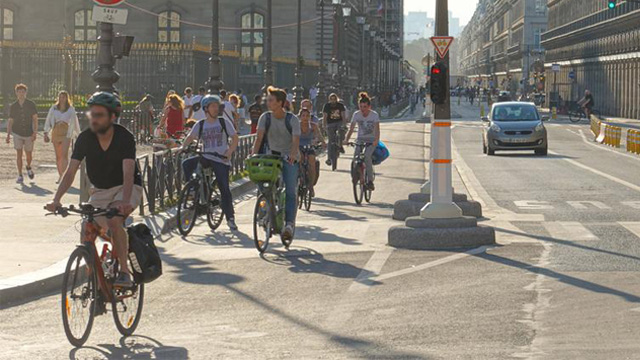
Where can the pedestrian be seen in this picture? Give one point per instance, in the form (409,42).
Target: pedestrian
(60,127)
(313,96)
(172,116)
(198,112)
(23,126)
(188,103)
(230,109)
(242,105)
(166,99)
(255,111)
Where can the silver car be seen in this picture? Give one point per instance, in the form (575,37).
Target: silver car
(514,126)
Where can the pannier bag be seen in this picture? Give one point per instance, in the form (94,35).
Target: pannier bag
(380,154)
(144,256)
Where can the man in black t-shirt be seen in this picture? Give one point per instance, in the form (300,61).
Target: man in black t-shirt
(255,111)
(334,119)
(23,126)
(110,153)
(587,103)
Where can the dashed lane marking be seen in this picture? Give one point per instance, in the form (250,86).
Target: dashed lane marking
(569,230)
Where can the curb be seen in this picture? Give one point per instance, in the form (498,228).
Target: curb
(36,284)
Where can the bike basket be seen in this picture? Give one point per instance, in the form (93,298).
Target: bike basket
(264,168)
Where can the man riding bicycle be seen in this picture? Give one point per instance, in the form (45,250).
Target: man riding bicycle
(587,103)
(309,133)
(281,130)
(110,153)
(334,118)
(214,133)
(368,122)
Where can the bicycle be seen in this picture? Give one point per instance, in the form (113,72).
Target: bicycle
(269,212)
(193,198)
(359,174)
(577,113)
(335,147)
(304,193)
(87,284)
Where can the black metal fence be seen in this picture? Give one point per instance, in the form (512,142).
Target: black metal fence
(48,67)
(162,177)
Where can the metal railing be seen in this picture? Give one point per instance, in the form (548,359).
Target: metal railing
(162,177)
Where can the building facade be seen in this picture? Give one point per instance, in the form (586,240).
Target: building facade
(597,49)
(500,47)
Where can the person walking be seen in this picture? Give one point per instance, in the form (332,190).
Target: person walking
(188,103)
(172,117)
(229,111)
(23,126)
(234,100)
(198,111)
(255,111)
(60,127)
(313,95)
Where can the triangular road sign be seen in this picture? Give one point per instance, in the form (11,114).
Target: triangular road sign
(442,44)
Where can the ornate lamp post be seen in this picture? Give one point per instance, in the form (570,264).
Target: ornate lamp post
(268,65)
(320,98)
(105,75)
(361,20)
(214,83)
(298,89)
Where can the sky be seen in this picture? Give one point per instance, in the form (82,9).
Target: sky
(462,9)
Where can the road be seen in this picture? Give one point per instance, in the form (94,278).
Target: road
(561,284)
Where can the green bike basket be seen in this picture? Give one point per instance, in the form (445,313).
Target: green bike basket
(264,168)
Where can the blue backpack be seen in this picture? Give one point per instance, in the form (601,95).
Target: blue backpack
(380,154)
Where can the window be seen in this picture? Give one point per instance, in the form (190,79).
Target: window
(169,27)
(6,24)
(252,42)
(85,28)
(541,7)
(537,36)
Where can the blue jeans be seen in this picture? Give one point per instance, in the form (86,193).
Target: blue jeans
(290,177)
(221,172)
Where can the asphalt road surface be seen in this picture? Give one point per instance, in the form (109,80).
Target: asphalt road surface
(561,284)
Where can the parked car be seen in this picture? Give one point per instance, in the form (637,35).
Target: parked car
(504,96)
(514,126)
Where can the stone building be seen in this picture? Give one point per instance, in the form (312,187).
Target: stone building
(501,44)
(597,49)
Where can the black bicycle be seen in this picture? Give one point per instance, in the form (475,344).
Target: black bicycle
(200,195)
(305,196)
(577,113)
(359,175)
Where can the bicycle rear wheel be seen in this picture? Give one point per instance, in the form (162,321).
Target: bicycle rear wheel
(126,306)
(214,208)
(307,200)
(79,293)
(262,224)
(188,207)
(575,116)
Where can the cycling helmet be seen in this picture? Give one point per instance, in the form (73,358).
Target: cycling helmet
(208,100)
(106,99)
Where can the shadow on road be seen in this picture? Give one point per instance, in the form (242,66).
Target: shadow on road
(532,156)
(34,189)
(303,260)
(131,347)
(196,271)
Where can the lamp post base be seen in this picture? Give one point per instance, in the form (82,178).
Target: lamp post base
(429,234)
(441,211)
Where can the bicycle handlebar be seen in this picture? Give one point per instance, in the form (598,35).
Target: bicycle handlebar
(86,210)
(359,144)
(198,152)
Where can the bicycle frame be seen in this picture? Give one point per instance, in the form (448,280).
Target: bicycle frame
(91,231)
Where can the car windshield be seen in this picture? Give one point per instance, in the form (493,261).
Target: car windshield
(515,112)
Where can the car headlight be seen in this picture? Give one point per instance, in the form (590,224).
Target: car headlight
(495,128)
(539,127)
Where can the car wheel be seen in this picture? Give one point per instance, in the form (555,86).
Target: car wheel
(484,148)
(541,152)
(490,151)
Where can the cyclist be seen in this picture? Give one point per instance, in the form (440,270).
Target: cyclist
(309,132)
(110,153)
(214,133)
(368,123)
(334,118)
(281,130)
(587,103)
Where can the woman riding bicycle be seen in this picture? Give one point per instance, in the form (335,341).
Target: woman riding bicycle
(309,133)
(368,123)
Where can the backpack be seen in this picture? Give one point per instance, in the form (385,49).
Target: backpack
(380,154)
(144,256)
(264,147)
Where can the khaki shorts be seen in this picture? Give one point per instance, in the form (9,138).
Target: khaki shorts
(22,143)
(103,198)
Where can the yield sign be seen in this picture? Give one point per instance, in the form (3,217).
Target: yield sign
(442,44)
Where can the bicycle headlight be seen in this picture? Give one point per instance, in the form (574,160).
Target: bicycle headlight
(495,128)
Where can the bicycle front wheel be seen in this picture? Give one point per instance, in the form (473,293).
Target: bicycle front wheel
(262,224)
(188,207)
(214,210)
(126,306)
(575,116)
(79,293)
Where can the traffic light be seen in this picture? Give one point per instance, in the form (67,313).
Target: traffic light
(439,75)
(612,4)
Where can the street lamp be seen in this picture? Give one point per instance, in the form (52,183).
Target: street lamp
(268,65)
(214,82)
(298,89)
(321,71)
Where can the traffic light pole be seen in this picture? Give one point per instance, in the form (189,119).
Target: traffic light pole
(439,185)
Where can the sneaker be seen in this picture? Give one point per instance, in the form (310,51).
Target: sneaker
(328,162)
(287,234)
(371,186)
(20,179)
(30,173)
(312,192)
(341,149)
(232,224)
(123,280)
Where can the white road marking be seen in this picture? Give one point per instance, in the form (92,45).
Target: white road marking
(633,227)
(569,230)
(603,147)
(431,264)
(582,205)
(598,172)
(533,205)
(632,204)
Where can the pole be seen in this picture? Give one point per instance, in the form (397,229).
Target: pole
(321,71)
(215,84)
(268,65)
(441,205)
(105,75)
(298,89)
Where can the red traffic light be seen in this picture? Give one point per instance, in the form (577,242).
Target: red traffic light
(435,70)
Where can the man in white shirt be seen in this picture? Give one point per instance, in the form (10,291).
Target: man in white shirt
(198,112)
(229,111)
(313,95)
(188,102)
